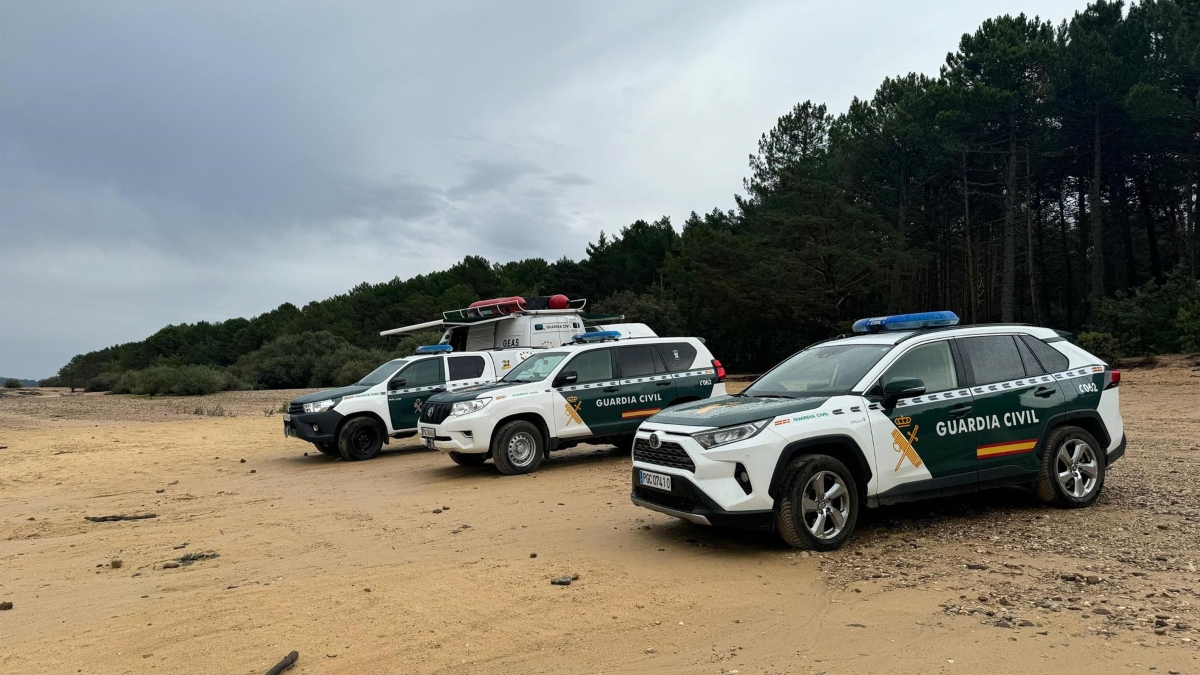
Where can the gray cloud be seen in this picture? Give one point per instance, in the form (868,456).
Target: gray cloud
(168,162)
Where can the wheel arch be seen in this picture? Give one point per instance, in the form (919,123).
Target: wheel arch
(355,415)
(841,447)
(533,418)
(1088,420)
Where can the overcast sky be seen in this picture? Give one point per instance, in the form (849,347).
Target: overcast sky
(168,162)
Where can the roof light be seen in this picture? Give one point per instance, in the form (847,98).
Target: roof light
(597,336)
(435,349)
(906,322)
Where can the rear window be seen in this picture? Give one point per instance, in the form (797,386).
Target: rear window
(637,361)
(993,358)
(1052,360)
(465,367)
(678,356)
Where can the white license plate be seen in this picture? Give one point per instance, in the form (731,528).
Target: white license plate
(287,417)
(654,480)
(429,444)
(426,432)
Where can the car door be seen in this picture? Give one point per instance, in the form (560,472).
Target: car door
(589,405)
(646,386)
(1014,398)
(464,371)
(924,443)
(410,387)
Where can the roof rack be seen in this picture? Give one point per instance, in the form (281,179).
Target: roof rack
(925,331)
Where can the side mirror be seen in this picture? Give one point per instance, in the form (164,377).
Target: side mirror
(901,387)
(397,383)
(563,379)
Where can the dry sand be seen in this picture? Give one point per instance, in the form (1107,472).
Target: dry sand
(351,565)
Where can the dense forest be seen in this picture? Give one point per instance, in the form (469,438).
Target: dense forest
(1047,174)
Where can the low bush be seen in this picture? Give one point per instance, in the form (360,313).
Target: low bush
(175,380)
(1155,318)
(1103,345)
(102,382)
(12,383)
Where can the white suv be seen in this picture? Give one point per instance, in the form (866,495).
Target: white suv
(912,408)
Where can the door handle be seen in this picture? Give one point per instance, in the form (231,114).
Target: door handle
(611,389)
(662,384)
(960,410)
(1043,392)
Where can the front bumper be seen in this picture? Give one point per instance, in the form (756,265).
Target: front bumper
(466,435)
(707,492)
(313,427)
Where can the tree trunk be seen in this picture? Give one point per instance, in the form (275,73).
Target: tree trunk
(1148,223)
(1008,275)
(1119,204)
(1068,277)
(1097,271)
(1029,252)
(972,262)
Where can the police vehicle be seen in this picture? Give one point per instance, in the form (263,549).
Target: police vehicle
(480,343)
(912,406)
(354,422)
(596,390)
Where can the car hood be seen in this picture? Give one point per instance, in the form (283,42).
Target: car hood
(722,411)
(340,392)
(472,393)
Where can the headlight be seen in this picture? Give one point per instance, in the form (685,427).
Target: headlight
(321,406)
(727,435)
(468,407)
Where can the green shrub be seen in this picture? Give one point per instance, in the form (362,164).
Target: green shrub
(52,381)
(1154,319)
(102,382)
(12,383)
(175,380)
(1103,345)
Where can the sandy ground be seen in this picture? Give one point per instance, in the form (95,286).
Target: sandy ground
(411,564)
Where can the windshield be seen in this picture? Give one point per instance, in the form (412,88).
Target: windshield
(382,373)
(827,370)
(535,368)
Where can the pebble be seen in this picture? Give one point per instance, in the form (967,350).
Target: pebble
(437,510)
(170,565)
(117,563)
(160,491)
(977,566)
(6,605)
(253,470)
(533,555)
(652,650)
(242,461)
(561,581)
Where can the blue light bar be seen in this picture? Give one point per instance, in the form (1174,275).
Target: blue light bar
(597,336)
(906,322)
(435,349)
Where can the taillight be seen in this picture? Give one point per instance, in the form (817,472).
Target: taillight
(720,370)
(1112,378)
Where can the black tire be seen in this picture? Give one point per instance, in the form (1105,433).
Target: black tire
(1076,488)
(792,508)
(625,443)
(518,447)
(464,459)
(328,448)
(361,438)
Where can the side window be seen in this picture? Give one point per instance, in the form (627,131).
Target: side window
(1051,359)
(933,364)
(638,361)
(1032,367)
(464,367)
(423,373)
(592,366)
(679,356)
(993,358)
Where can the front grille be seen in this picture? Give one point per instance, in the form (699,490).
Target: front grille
(295,408)
(435,413)
(665,499)
(668,454)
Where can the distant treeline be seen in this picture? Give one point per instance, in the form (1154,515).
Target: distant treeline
(1047,174)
